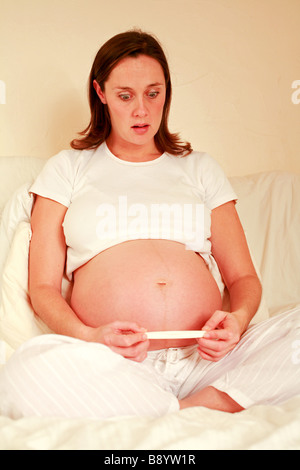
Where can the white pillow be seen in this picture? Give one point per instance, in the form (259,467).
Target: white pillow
(269,208)
(18,322)
(17,209)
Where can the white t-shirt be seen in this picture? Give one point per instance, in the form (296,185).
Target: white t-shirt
(110,200)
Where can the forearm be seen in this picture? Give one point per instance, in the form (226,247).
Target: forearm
(245,296)
(227,328)
(56,313)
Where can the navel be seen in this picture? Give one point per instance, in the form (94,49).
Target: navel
(161,282)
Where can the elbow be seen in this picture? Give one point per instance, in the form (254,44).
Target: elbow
(40,295)
(248,285)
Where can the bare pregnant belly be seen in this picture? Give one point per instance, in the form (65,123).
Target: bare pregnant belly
(158,284)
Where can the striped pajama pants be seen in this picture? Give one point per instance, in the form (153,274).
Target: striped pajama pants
(54,375)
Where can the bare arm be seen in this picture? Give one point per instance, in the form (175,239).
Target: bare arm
(46,266)
(230,249)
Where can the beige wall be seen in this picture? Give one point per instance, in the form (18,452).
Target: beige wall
(234,63)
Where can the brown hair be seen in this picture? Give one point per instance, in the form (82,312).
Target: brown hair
(128,44)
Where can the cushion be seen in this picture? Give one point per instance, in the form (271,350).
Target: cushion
(269,208)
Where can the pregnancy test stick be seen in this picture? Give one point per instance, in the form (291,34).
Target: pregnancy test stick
(175,334)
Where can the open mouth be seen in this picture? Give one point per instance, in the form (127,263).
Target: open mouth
(140,126)
(140,129)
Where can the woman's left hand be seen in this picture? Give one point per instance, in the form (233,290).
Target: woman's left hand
(223,334)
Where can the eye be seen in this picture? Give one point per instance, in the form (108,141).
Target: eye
(153,94)
(125,96)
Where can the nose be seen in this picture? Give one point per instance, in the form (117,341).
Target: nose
(140,109)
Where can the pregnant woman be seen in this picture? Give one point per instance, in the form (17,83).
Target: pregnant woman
(147,230)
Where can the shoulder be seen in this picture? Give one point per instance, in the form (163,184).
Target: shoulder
(194,156)
(210,176)
(64,158)
(201,163)
(70,161)
(203,159)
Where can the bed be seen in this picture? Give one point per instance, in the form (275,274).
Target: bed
(269,207)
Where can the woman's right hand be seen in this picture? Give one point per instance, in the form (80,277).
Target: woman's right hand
(124,338)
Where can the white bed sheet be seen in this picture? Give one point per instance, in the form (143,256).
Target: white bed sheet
(259,428)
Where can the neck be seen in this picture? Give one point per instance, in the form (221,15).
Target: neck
(132,152)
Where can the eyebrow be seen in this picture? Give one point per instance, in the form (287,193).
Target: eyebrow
(156,84)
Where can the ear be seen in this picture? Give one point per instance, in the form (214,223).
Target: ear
(99,91)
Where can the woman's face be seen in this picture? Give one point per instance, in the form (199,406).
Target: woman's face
(135,95)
